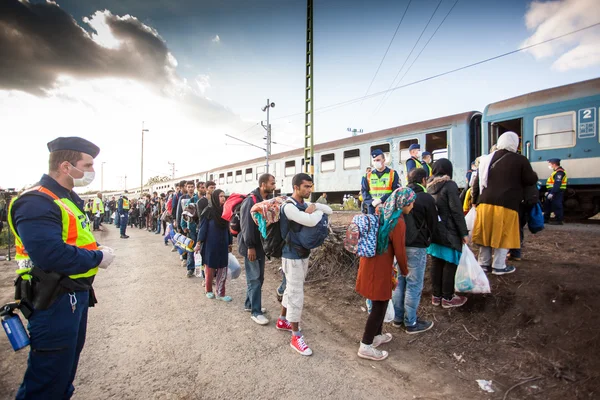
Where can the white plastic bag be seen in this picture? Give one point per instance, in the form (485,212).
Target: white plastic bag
(389,313)
(199,267)
(470,277)
(233,267)
(470,220)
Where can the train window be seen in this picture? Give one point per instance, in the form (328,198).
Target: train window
(259,171)
(404,145)
(386,151)
(437,144)
(554,131)
(290,168)
(230,177)
(238,175)
(211,177)
(328,162)
(248,174)
(352,159)
(497,128)
(221,179)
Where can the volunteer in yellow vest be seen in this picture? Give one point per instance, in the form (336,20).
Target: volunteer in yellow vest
(556,185)
(58,259)
(97,211)
(379,183)
(426,163)
(413,162)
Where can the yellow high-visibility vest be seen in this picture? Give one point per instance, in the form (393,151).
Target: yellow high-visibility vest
(380,186)
(75,231)
(98,206)
(550,181)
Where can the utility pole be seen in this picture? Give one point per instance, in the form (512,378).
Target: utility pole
(142,166)
(354,131)
(309,153)
(102,176)
(268,129)
(172,164)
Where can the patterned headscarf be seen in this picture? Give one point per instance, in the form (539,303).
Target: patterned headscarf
(392,210)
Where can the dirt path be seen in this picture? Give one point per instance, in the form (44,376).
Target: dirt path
(154,335)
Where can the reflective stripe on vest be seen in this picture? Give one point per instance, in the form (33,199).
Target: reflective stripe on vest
(380,186)
(550,181)
(75,230)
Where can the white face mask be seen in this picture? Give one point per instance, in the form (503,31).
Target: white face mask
(377,164)
(88,177)
(550,167)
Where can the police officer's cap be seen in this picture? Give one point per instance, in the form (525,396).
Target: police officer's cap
(376,153)
(415,146)
(554,161)
(425,153)
(75,144)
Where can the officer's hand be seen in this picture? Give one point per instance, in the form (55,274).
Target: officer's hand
(550,196)
(376,202)
(108,257)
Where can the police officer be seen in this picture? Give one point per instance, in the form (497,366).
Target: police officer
(379,183)
(555,189)
(413,162)
(98,211)
(123,214)
(426,162)
(58,259)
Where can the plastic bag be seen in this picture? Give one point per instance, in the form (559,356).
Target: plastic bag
(470,219)
(389,313)
(470,277)
(233,267)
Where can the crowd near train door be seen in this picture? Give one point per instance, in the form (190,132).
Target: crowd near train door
(497,128)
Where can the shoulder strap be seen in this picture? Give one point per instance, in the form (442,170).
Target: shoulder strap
(496,162)
(391,176)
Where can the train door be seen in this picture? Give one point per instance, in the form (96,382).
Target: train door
(474,137)
(497,128)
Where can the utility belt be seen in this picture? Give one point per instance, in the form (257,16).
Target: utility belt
(41,289)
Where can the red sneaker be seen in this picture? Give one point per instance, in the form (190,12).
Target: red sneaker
(300,346)
(436,301)
(283,325)
(456,301)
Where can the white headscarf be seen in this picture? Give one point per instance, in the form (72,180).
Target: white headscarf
(507,141)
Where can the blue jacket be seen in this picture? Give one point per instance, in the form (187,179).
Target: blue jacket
(215,243)
(38,221)
(365,189)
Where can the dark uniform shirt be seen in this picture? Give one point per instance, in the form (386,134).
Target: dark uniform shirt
(38,221)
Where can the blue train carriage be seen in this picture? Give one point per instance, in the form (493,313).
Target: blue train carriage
(560,122)
(340,164)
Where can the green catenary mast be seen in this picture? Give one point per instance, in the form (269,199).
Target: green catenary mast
(308,108)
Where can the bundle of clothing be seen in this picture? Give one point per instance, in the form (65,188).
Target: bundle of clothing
(267,212)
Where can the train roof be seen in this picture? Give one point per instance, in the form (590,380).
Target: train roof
(364,138)
(547,96)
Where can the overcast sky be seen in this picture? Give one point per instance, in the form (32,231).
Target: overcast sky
(195,70)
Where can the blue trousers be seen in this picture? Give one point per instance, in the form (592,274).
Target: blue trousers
(123,223)
(255,276)
(117,219)
(555,205)
(57,338)
(407,295)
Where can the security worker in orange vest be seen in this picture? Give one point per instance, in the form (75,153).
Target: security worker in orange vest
(379,183)
(58,259)
(556,185)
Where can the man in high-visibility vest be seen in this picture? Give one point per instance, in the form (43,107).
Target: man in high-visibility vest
(97,211)
(379,183)
(427,163)
(556,185)
(413,162)
(58,259)
(123,206)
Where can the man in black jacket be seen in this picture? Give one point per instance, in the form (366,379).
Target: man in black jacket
(420,224)
(250,246)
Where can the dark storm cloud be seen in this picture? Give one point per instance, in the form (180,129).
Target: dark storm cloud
(39,42)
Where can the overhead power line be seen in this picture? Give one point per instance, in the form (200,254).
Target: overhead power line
(372,95)
(384,98)
(388,49)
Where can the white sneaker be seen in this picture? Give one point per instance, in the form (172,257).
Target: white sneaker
(260,319)
(262,310)
(381,339)
(369,352)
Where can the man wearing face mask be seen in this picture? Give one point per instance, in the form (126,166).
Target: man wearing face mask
(413,162)
(379,183)
(58,259)
(123,211)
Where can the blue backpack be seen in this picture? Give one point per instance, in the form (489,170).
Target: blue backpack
(535,219)
(306,238)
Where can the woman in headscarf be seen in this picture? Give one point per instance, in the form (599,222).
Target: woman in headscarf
(498,192)
(375,274)
(215,241)
(447,239)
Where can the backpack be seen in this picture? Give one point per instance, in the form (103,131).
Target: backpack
(231,211)
(274,243)
(311,237)
(361,235)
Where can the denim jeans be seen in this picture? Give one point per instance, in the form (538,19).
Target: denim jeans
(97,222)
(117,218)
(123,223)
(191,263)
(255,276)
(407,295)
